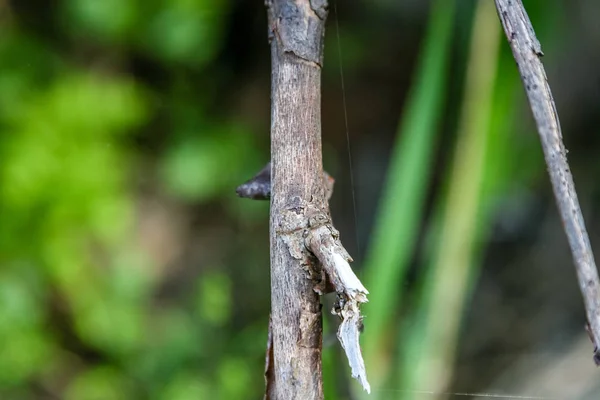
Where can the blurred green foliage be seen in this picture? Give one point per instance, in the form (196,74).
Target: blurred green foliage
(79,294)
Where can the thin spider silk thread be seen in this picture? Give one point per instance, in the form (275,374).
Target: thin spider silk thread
(468,394)
(339,48)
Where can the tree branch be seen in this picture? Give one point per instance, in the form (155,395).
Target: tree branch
(527,52)
(296,35)
(307,257)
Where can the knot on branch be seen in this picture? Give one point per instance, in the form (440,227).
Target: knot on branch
(259,187)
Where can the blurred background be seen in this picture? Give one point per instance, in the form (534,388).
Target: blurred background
(130,270)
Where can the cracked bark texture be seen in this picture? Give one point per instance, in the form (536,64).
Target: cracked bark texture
(296,30)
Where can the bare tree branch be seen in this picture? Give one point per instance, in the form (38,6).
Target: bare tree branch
(307,257)
(296,30)
(527,52)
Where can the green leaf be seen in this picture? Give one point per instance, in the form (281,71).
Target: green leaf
(102,382)
(103,20)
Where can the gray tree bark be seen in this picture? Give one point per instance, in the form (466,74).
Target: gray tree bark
(296,30)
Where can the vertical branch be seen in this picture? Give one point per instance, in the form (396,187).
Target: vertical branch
(296,30)
(527,52)
(307,256)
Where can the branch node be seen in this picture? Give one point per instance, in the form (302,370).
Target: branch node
(259,187)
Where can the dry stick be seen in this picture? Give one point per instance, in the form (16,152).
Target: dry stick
(296,32)
(527,52)
(300,225)
(307,257)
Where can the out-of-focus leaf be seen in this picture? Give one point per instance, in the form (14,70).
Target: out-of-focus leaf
(26,67)
(186,386)
(172,341)
(105,20)
(25,352)
(102,382)
(186,31)
(111,325)
(63,165)
(200,166)
(214,298)
(234,378)
(26,346)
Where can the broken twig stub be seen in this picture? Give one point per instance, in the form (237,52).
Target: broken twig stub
(306,252)
(322,239)
(259,187)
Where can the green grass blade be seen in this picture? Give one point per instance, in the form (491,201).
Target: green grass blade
(401,207)
(428,365)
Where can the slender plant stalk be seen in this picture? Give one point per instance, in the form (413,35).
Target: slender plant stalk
(401,207)
(527,52)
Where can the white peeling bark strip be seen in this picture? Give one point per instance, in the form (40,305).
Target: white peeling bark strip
(323,241)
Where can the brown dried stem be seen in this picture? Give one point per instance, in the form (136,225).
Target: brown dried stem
(527,52)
